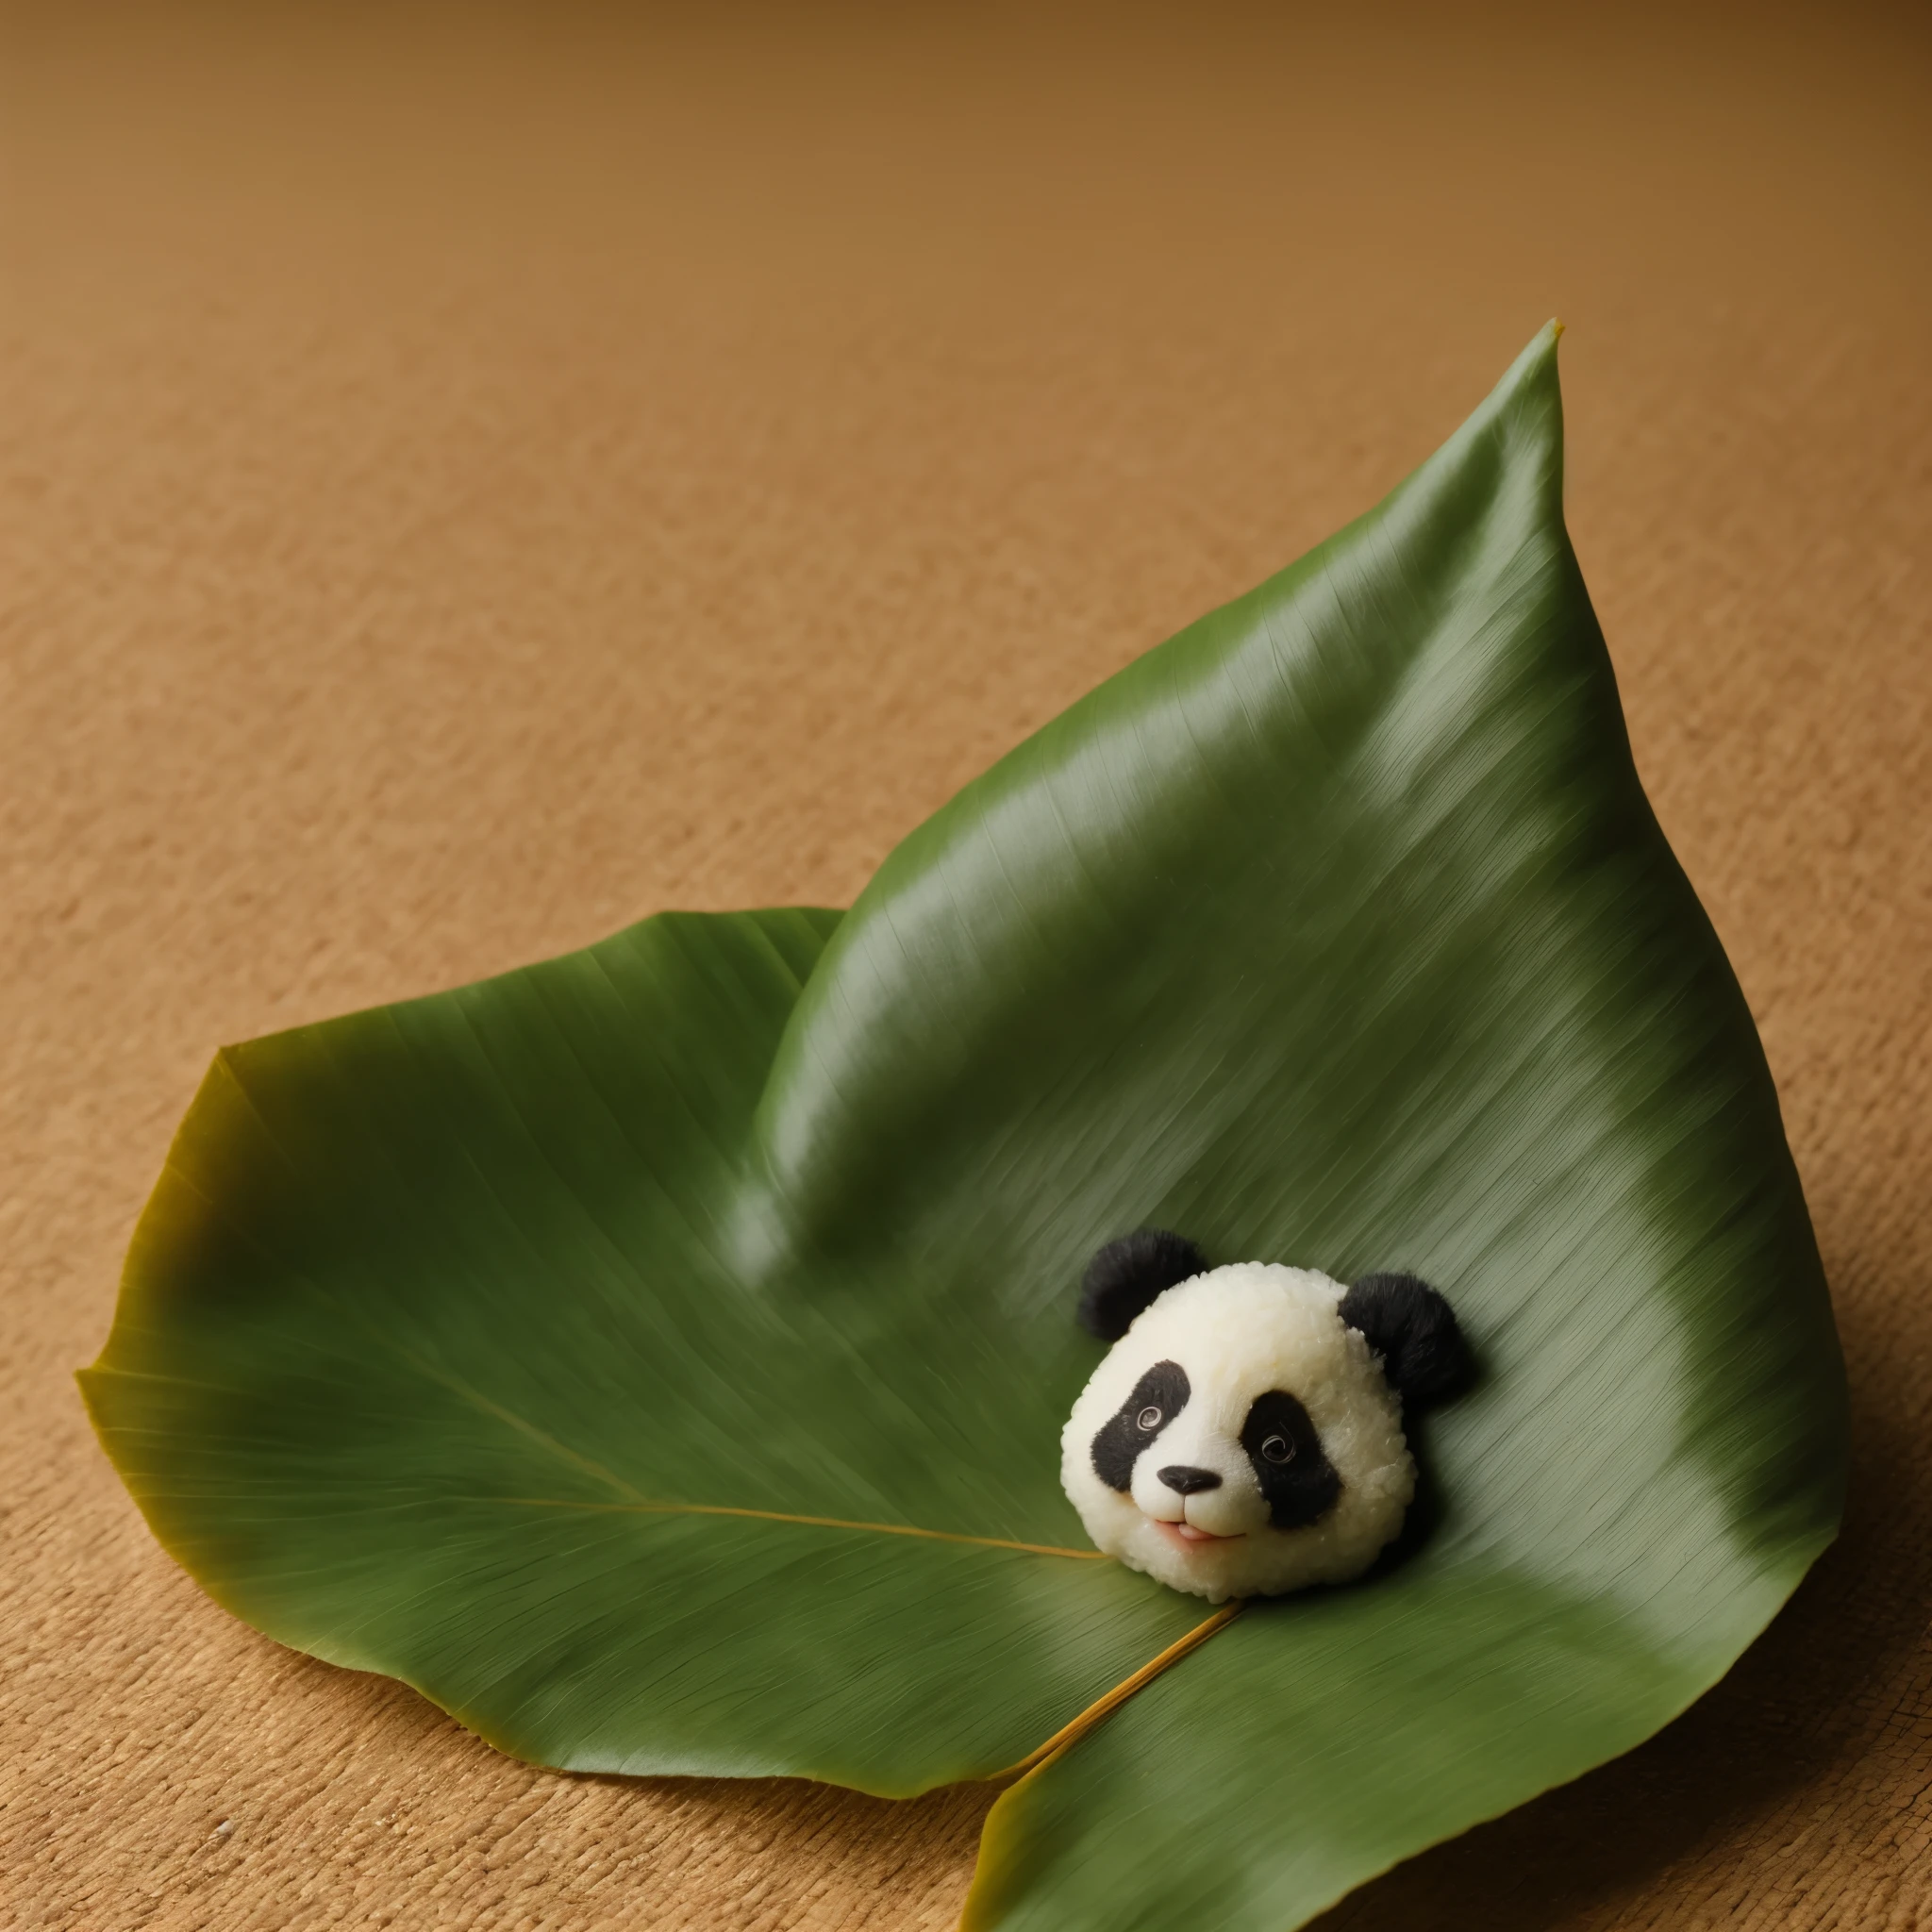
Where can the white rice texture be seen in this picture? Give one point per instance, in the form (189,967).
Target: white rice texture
(1238,1332)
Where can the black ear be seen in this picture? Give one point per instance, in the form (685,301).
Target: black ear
(1126,1275)
(1413,1329)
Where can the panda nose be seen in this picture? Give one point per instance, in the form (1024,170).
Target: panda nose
(1184,1481)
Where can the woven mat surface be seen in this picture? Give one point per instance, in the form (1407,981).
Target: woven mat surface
(474,478)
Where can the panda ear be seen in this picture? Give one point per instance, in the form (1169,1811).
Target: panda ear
(1415,1331)
(1126,1275)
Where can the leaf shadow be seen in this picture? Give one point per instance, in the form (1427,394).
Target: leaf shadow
(909,1859)
(786,1850)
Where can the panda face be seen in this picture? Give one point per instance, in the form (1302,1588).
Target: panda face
(1273,1471)
(1240,1439)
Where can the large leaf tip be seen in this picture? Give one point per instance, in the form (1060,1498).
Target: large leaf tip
(1538,356)
(1525,410)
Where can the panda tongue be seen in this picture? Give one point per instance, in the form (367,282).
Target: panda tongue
(1197,1535)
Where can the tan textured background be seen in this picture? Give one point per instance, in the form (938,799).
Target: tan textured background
(471,483)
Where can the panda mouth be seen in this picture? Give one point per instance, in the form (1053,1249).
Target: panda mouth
(1186,1534)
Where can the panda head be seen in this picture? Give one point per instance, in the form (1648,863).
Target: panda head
(1243,1434)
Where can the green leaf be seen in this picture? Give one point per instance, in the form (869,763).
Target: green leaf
(656,1356)
(428,1362)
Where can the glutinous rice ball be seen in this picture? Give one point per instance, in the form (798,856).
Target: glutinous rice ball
(1243,1434)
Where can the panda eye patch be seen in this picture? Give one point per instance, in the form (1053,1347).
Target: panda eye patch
(1158,1396)
(1297,1480)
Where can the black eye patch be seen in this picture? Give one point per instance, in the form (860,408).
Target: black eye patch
(1298,1482)
(1158,1396)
